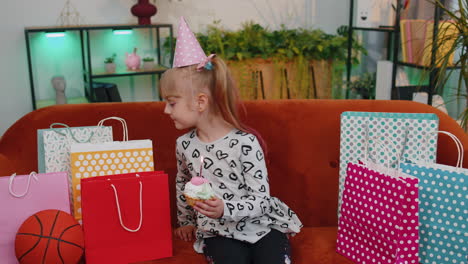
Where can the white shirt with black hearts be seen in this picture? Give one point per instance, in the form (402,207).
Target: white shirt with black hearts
(236,170)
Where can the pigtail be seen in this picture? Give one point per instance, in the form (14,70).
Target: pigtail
(225,94)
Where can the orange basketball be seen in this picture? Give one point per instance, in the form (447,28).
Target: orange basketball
(49,236)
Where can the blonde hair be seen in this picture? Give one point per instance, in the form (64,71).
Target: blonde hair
(218,82)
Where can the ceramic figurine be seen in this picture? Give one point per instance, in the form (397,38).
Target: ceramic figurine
(132,60)
(58,82)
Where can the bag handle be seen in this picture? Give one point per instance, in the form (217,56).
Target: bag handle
(398,175)
(12,179)
(393,145)
(459,147)
(67,128)
(124,125)
(457,143)
(382,145)
(119,212)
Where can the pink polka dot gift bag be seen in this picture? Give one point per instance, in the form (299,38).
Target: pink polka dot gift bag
(379,215)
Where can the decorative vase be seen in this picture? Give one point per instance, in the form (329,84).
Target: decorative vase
(110,67)
(144,10)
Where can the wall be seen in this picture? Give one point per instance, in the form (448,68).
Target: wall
(15,94)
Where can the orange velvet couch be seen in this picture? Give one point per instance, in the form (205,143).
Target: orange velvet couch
(303,138)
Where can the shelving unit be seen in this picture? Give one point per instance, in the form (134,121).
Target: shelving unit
(402,92)
(90,72)
(352,29)
(405,92)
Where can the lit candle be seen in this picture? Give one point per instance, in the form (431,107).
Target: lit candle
(201,166)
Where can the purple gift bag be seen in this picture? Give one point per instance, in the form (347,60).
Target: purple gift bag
(379,216)
(22,196)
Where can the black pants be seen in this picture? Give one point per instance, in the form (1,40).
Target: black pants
(271,249)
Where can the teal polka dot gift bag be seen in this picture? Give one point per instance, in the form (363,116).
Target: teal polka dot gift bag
(401,132)
(443,210)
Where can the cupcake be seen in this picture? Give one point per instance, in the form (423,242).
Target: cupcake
(198,189)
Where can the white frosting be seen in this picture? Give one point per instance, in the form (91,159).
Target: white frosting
(203,191)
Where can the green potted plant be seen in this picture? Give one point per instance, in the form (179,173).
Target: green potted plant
(109,63)
(458,43)
(363,87)
(148,63)
(274,64)
(284,58)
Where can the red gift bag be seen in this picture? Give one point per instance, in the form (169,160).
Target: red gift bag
(126,218)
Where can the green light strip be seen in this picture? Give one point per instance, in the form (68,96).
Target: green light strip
(55,34)
(123,32)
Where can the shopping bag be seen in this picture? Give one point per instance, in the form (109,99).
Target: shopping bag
(443,209)
(401,132)
(107,158)
(379,217)
(126,218)
(53,145)
(22,196)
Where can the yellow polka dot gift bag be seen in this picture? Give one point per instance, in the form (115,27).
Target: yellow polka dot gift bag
(107,158)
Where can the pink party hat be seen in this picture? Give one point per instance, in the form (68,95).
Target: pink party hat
(188,51)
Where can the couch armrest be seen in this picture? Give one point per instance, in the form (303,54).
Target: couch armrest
(6,167)
(446,148)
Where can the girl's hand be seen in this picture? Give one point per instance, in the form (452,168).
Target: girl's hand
(186,233)
(213,208)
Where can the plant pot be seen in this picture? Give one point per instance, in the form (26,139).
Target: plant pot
(323,71)
(257,78)
(110,67)
(278,79)
(148,65)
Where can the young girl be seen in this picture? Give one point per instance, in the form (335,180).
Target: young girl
(243,224)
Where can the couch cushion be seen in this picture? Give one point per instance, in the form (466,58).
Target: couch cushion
(313,245)
(183,254)
(303,138)
(317,245)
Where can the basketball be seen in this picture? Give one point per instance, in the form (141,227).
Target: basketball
(49,236)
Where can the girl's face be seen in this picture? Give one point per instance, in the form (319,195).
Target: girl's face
(181,101)
(182,111)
